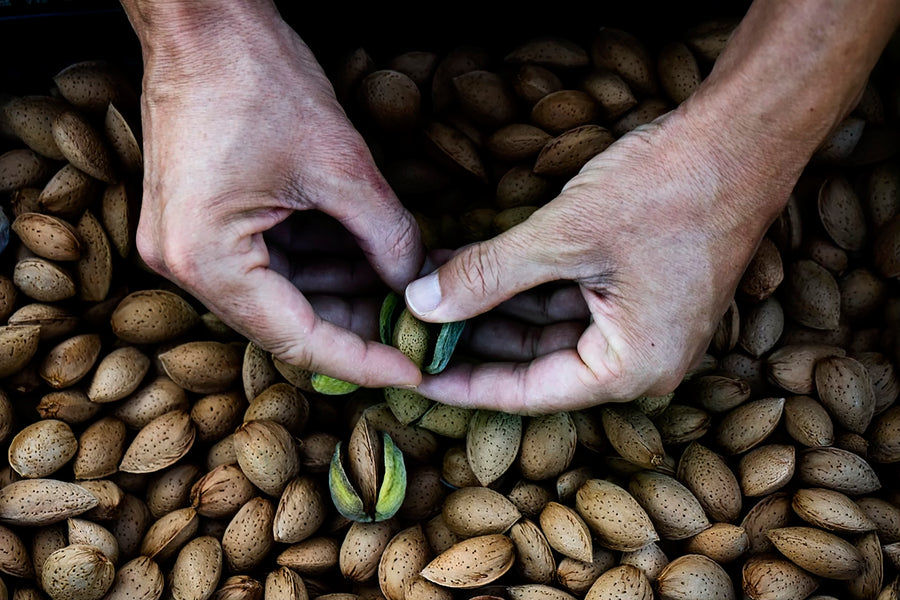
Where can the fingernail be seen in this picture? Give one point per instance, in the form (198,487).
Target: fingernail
(424,295)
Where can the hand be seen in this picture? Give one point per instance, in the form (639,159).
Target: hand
(655,231)
(257,189)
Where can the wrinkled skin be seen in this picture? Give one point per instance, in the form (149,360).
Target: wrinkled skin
(251,166)
(656,231)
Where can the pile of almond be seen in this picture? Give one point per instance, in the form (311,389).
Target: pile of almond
(152,452)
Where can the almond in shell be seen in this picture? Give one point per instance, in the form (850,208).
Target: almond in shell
(138,579)
(566,153)
(48,236)
(197,569)
(168,534)
(615,517)
(43,501)
(18,345)
(535,560)
(516,142)
(493,440)
(160,443)
(155,398)
(625,582)
(837,469)
(362,547)
(477,510)
(44,280)
(204,366)
(844,388)
(123,142)
(68,192)
(221,492)
(91,533)
(566,531)
(820,552)
(578,576)
(77,572)
(485,97)
(747,425)
(83,145)
(633,435)
(153,316)
(769,578)
(766,469)
(548,446)
(42,448)
(404,557)
(675,511)
(31,120)
(55,321)
(301,510)
(267,454)
(15,560)
(118,374)
(694,577)
(722,542)
(625,54)
(472,562)
(94,266)
(22,168)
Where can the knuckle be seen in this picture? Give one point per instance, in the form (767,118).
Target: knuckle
(478,272)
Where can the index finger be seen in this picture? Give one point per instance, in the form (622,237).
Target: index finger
(266,308)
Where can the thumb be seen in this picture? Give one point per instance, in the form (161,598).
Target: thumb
(479,277)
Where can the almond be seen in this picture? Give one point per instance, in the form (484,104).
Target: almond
(548,446)
(77,572)
(123,142)
(153,316)
(625,582)
(404,556)
(535,561)
(90,533)
(138,579)
(565,154)
(812,296)
(614,516)
(118,374)
(203,366)
(160,443)
(14,559)
(722,542)
(477,510)
(695,577)
(19,344)
(566,531)
(42,448)
(31,120)
(633,435)
(818,551)
(390,99)
(197,569)
(844,388)
(516,142)
(157,397)
(765,577)
(301,510)
(83,145)
(472,562)
(101,446)
(169,489)
(563,110)
(675,511)
(712,481)
(43,501)
(47,236)
(94,266)
(578,576)
(678,71)
(221,492)
(837,469)
(44,280)
(623,53)
(486,98)
(493,440)
(311,557)
(362,547)
(551,51)
(267,454)
(168,534)
(612,94)
(771,512)
(68,193)
(747,425)
(766,469)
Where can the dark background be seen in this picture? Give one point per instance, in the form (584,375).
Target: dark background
(40,37)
